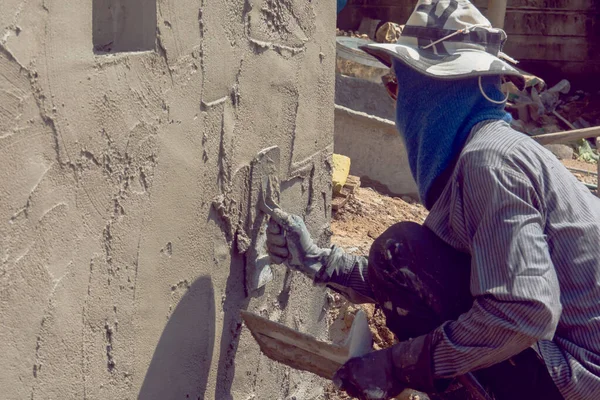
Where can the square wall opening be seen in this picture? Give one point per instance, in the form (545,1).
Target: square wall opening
(124,25)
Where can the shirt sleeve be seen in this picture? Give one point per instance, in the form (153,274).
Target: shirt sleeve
(347,275)
(513,280)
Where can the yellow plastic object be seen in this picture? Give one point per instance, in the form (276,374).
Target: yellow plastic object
(341,170)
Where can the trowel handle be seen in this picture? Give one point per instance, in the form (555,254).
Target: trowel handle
(266,202)
(281,217)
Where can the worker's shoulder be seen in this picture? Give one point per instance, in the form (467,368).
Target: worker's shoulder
(496,145)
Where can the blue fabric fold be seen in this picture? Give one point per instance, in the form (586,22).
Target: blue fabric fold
(435,117)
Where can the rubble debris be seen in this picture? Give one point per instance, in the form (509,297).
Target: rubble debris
(343,196)
(356,34)
(538,110)
(389,33)
(369,26)
(532,81)
(375,30)
(351,61)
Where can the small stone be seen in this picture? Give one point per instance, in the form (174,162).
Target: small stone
(561,151)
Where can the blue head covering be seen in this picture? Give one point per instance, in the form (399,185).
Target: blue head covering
(435,117)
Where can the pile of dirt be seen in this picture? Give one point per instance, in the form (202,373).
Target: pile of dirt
(341,316)
(367,215)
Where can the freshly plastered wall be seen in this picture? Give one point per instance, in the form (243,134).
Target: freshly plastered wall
(126,131)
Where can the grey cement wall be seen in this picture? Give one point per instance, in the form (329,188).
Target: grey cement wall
(375,148)
(123,193)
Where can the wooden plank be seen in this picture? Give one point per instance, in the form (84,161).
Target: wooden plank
(561,33)
(352,183)
(294,348)
(517,22)
(552,48)
(338,202)
(397,14)
(304,352)
(548,5)
(567,136)
(580,74)
(551,23)
(598,149)
(558,66)
(553,4)
(554,22)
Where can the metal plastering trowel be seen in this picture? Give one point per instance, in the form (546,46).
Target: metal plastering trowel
(264,189)
(304,352)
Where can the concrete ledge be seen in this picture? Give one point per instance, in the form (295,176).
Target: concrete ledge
(363,95)
(375,148)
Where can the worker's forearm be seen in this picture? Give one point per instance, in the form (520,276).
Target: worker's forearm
(347,274)
(491,332)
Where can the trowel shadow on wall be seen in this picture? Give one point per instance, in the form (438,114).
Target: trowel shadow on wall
(181,362)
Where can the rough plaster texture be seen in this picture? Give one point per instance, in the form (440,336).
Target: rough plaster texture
(123,187)
(375,148)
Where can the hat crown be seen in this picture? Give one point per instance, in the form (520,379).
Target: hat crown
(446,26)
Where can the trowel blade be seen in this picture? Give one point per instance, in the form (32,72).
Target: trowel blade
(295,349)
(304,352)
(360,340)
(264,168)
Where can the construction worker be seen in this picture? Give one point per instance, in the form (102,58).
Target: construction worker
(503,279)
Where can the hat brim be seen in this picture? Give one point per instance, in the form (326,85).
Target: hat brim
(463,63)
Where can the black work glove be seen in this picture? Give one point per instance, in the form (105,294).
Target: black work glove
(383,374)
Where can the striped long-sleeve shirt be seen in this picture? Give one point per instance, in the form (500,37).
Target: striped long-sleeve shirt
(533,233)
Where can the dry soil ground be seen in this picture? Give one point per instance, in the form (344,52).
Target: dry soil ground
(581,165)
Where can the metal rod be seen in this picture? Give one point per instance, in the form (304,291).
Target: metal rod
(564,120)
(567,136)
(582,171)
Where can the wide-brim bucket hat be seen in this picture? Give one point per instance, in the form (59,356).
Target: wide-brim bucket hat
(449,39)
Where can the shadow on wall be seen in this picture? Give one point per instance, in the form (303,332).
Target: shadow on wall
(235,300)
(181,362)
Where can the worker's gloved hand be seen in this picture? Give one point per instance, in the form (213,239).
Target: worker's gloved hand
(383,374)
(288,240)
(369,377)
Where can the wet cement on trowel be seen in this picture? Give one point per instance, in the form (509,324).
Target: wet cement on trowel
(120,278)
